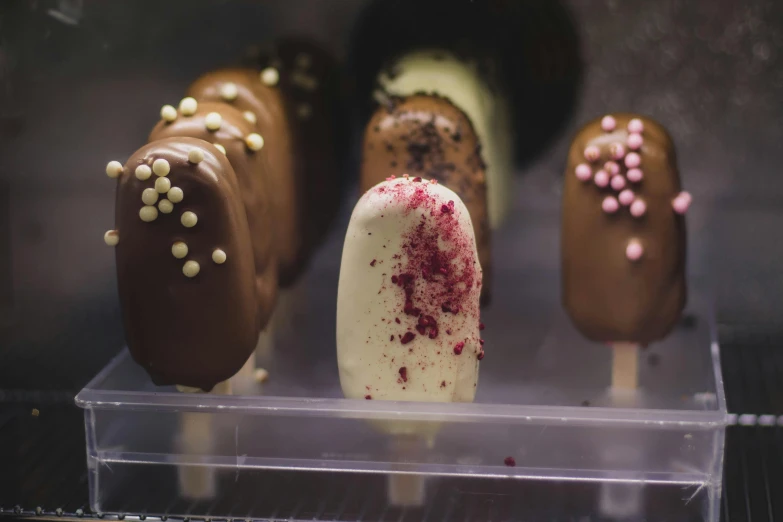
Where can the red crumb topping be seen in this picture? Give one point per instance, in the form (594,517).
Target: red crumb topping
(481,342)
(481,326)
(372,263)
(404,374)
(417,179)
(391,338)
(397,320)
(481,355)
(458,347)
(408,337)
(368,397)
(442,384)
(510,462)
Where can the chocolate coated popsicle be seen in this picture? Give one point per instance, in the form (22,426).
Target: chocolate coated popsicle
(623,231)
(428,136)
(264,106)
(225,126)
(185,269)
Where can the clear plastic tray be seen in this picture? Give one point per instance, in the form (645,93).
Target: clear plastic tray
(293,448)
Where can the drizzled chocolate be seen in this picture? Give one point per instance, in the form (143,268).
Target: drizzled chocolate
(184,263)
(235,134)
(623,233)
(264,106)
(426,135)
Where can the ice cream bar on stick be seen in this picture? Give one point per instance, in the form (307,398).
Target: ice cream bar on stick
(442,73)
(408,296)
(408,307)
(427,135)
(186,277)
(623,237)
(264,108)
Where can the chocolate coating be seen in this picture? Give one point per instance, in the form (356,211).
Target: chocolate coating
(284,177)
(192,331)
(609,297)
(309,84)
(428,136)
(252,171)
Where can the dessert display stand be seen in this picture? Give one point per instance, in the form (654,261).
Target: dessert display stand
(545,418)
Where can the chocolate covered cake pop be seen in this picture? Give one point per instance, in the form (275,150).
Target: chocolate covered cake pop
(184,263)
(623,231)
(428,136)
(226,128)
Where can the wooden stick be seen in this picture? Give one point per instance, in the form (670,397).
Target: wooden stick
(625,366)
(405,490)
(196,436)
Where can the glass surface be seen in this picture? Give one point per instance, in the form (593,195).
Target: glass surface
(543,400)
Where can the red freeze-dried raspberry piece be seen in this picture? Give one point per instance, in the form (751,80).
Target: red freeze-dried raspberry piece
(368,397)
(372,263)
(408,337)
(510,462)
(481,355)
(404,374)
(458,348)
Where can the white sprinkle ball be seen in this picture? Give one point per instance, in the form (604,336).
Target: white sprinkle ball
(162,185)
(190,268)
(188,219)
(270,76)
(166,206)
(143,172)
(113,169)
(220,147)
(250,117)
(213,121)
(196,156)
(161,167)
(168,113)
(188,106)
(254,141)
(229,91)
(148,213)
(179,250)
(175,194)
(111,237)
(218,256)
(149,196)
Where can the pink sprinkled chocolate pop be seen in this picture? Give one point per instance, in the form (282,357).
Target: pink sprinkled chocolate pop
(623,255)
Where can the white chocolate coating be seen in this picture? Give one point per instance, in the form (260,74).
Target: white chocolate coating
(443,74)
(369,302)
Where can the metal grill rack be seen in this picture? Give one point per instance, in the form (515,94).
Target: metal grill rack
(43,455)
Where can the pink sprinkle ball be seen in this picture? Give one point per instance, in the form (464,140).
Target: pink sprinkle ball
(610,205)
(633,160)
(617,150)
(634,250)
(682,202)
(635,126)
(618,182)
(601,178)
(638,208)
(583,171)
(592,153)
(608,123)
(634,141)
(626,197)
(612,167)
(634,175)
